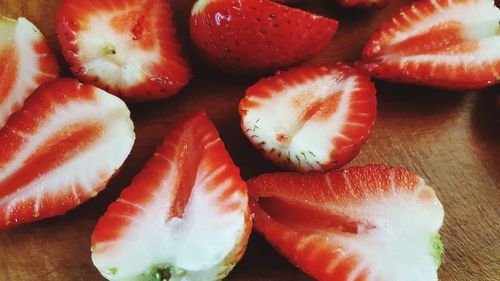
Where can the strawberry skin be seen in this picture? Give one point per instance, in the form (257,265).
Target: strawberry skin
(257,36)
(310,117)
(184,217)
(438,43)
(27,62)
(363,223)
(60,149)
(127,47)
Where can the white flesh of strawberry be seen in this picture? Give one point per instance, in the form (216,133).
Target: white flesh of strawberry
(400,241)
(481,22)
(87,169)
(309,141)
(401,246)
(193,248)
(22,34)
(111,56)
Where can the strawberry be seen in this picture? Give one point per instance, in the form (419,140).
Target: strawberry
(310,118)
(451,44)
(26,63)
(250,36)
(60,150)
(127,47)
(184,217)
(363,223)
(364,3)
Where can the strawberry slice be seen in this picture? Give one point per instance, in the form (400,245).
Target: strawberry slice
(250,36)
(363,223)
(452,44)
(364,3)
(27,62)
(60,149)
(127,47)
(310,118)
(184,217)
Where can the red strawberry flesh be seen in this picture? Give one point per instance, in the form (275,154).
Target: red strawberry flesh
(60,150)
(27,62)
(128,47)
(362,223)
(310,117)
(438,43)
(184,215)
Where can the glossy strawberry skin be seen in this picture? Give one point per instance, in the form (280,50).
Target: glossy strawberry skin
(258,36)
(165,75)
(388,59)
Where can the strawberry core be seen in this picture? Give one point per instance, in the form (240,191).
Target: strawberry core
(307,219)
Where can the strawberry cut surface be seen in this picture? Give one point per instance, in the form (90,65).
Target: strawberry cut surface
(60,150)
(185,216)
(310,117)
(363,223)
(447,44)
(26,63)
(127,47)
(254,36)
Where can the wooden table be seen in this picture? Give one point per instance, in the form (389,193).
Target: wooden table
(452,139)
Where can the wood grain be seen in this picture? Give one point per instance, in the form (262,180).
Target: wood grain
(452,139)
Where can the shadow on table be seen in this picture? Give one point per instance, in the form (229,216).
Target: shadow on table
(485,127)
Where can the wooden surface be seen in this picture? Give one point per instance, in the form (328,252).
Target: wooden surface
(452,139)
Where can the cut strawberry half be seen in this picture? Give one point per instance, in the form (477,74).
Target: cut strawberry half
(60,149)
(364,3)
(26,62)
(184,217)
(127,47)
(448,44)
(363,223)
(310,118)
(251,36)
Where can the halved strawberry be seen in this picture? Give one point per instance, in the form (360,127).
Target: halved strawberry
(452,44)
(184,217)
(127,47)
(26,61)
(364,3)
(363,223)
(252,36)
(60,149)
(310,118)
